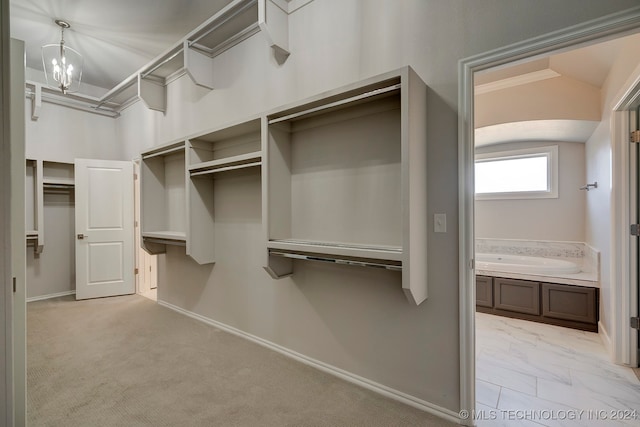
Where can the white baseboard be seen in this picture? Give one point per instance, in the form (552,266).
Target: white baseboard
(342,374)
(43,297)
(606,340)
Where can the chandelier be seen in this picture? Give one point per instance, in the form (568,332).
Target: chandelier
(62,64)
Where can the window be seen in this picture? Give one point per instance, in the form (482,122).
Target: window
(517,174)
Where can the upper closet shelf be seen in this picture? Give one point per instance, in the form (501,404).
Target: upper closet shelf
(194,54)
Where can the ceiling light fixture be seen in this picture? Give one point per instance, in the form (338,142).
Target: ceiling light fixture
(62,64)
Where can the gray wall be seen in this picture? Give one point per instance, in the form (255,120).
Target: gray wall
(355,319)
(6,294)
(561,219)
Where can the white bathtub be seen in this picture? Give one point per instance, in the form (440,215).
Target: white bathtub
(525,264)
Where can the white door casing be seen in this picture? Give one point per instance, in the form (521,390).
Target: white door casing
(104,228)
(598,29)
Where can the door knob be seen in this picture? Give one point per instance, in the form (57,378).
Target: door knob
(80,236)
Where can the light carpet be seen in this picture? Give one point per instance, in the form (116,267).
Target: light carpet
(126,361)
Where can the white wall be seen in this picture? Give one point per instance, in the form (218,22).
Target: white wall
(556,98)
(62,134)
(355,319)
(561,219)
(53,271)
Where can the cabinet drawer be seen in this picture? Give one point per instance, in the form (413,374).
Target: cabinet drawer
(519,296)
(484,291)
(566,302)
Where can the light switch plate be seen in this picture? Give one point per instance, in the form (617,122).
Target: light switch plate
(440,223)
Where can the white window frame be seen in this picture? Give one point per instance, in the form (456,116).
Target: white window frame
(550,152)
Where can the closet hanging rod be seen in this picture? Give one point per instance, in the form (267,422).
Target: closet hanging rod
(165,152)
(58,186)
(222,22)
(335,260)
(164,241)
(160,64)
(226,168)
(336,103)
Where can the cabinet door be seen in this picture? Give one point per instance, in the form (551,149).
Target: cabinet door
(568,302)
(484,291)
(520,296)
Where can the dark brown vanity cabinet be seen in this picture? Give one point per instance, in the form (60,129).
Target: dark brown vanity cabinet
(566,302)
(519,296)
(557,304)
(484,291)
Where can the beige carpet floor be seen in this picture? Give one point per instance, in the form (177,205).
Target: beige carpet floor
(126,361)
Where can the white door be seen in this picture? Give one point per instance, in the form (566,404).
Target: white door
(104,228)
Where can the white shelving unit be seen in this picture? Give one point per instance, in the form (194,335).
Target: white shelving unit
(34,208)
(43,177)
(58,174)
(230,148)
(345,179)
(163,206)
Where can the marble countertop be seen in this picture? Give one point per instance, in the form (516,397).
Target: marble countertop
(579,279)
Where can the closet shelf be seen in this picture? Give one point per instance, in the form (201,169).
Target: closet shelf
(228,163)
(165,150)
(165,235)
(67,182)
(355,251)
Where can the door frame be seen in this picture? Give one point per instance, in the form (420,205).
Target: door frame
(624,208)
(6,288)
(601,29)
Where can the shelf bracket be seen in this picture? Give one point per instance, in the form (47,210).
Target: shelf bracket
(279,267)
(36,102)
(274,24)
(154,95)
(198,66)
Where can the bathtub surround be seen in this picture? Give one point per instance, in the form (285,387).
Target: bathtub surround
(580,253)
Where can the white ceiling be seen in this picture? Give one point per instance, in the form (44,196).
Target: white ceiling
(115,37)
(590,65)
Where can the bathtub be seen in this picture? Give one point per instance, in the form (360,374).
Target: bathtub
(525,264)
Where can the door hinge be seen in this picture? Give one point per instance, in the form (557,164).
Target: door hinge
(634,230)
(135,271)
(635,322)
(14,285)
(635,136)
(135,176)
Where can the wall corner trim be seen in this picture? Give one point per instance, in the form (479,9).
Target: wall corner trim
(383,390)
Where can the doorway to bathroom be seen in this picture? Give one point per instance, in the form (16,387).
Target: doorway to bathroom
(547,247)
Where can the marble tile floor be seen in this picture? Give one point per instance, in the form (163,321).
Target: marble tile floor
(532,374)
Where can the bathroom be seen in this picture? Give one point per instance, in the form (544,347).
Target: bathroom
(545,245)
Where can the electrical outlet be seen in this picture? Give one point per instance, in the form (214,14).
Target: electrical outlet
(440,223)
